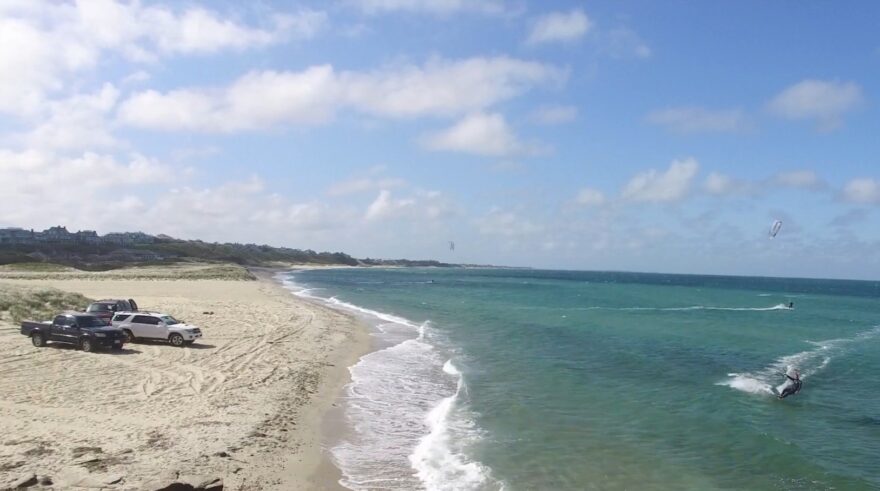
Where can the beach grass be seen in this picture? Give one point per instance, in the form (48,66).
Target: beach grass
(18,302)
(178,271)
(35,267)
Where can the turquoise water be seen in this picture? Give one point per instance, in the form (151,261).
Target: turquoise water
(522,379)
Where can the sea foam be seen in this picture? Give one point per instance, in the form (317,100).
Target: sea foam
(404,406)
(438,464)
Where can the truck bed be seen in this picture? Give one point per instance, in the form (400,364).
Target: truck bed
(28,326)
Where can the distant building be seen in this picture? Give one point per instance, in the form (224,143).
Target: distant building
(129,238)
(57,234)
(16,236)
(87,237)
(60,235)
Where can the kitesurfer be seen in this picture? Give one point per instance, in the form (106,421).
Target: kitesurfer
(791,305)
(792,384)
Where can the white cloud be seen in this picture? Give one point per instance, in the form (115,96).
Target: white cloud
(44,170)
(559,27)
(430,6)
(384,206)
(720,184)
(862,190)
(507,224)
(43,43)
(201,31)
(29,65)
(136,78)
(444,87)
(421,208)
(312,96)
(112,195)
(256,100)
(698,120)
(803,179)
(360,185)
(479,134)
(622,42)
(555,114)
(140,31)
(76,123)
(590,197)
(822,101)
(655,187)
(239,210)
(35,187)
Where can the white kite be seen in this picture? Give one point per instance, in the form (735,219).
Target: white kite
(774,229)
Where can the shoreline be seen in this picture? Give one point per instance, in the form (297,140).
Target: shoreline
(253,393)
(317,462)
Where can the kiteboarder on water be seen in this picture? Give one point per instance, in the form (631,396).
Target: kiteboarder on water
(792,384)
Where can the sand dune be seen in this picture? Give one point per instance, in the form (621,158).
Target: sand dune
(243,404)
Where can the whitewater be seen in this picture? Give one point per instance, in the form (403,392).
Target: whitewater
(403,407)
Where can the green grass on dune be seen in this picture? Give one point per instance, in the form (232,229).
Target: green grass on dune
(18,303)
(177,271)
(35,267)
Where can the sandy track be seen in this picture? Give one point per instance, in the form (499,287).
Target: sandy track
(243,404)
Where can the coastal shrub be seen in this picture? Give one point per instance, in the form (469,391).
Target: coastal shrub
(20,303)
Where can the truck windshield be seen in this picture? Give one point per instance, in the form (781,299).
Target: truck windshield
(101,307)
(90,321)
(169,321)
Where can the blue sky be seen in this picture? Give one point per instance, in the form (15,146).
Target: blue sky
(647,136)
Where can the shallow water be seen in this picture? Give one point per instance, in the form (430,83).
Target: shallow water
(522,379)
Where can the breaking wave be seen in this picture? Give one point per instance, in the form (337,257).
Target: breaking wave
(404,406)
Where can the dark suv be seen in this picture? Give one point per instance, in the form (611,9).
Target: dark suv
(106,308)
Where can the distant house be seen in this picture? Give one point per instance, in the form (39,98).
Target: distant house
(57,234)
(126,239)
(140,238)
(60,235)
(16,236)
(87,237)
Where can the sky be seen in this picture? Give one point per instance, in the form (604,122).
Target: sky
(601,135)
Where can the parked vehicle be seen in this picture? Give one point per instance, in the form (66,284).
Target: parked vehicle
(85,331)
(106,308)
(155,325)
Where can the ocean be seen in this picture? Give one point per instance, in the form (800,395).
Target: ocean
(490,379)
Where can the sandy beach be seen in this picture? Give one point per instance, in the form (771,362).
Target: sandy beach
(243,404)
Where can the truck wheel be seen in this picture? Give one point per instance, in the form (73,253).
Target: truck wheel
(129,337)
(38,340)
(86,345)
(176,339)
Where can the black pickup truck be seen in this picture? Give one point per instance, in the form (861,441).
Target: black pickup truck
(85,331)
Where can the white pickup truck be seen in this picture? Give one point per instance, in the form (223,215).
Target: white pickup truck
(155,326)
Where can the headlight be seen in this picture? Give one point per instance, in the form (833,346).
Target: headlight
(100,335)
(191,331)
